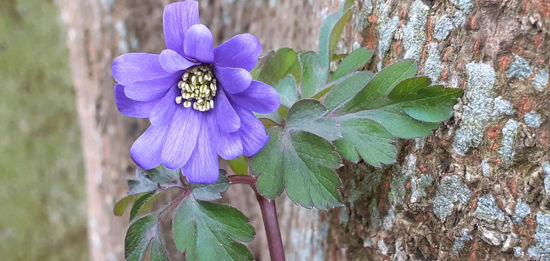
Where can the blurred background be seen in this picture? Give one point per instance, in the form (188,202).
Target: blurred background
(42,190)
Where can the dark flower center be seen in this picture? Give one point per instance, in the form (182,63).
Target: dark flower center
(198,87)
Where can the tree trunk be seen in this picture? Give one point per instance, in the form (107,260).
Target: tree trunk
(473,189)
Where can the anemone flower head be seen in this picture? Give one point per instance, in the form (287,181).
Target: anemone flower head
(199,99)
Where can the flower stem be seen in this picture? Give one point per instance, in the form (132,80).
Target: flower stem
(272,231)
(269,215)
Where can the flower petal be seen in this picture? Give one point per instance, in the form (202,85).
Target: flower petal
(252,132)
(233,80)
(199,43)
(163,112)
(203,166)
(152,89)
(147,148)
(181,137)
(173,62)
(229,145)
(131,108)
(178,18)
(241,51)
(135,67)
(226,117)
(259,97)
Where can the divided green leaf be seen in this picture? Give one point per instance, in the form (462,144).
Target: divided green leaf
(144,232)
(310,116)
(346,88)
(301,162)
(287,89)
(210,191)
(314,74)
(352,63)
(277,65)
(390,106)
(208,231)
(331,31)
(368,139)
(380,86)
(146,188)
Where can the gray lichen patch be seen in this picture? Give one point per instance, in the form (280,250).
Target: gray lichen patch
(478,110)
(443,26)
(542,238)
(488,210)
(433,66)
(361,19)
(414,33)
(485,168)
(546,173)
(399,180)
(387,28)
(388,220)
(519,68)
(521,211)
(459,18)
(532,119)
(541,80)
(518,252)
(450,190)
(459,242)
(464,5)
(509,133)
(419,187)
(501,107)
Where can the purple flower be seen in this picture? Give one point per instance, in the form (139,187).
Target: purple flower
(199,99)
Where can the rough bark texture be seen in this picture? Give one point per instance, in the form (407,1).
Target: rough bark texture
(477,188)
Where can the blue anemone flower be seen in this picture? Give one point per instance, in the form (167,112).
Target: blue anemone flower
(199,99)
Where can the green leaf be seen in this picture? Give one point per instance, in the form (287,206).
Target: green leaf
(150,180)
(123,204)
(301,162)
(314,74)
(143,232)
(409,87)
(397,123)
(367,139)
(352,62)
(273,117)
(331,31)
(147,181)
(431,104)
(239,165)
(287,90)
(277,65)
(140,202)
(158,250)
(380,86)
(207,231)
(308,115)
(411,109)
(210,191)
(346,89)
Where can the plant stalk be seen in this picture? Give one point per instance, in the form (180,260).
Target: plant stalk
(269,216)
(272,231)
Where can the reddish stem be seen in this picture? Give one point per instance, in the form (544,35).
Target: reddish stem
(269,215)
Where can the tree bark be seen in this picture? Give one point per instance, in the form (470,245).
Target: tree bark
(460,193)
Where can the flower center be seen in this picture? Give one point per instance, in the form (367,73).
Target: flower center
(198,88)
